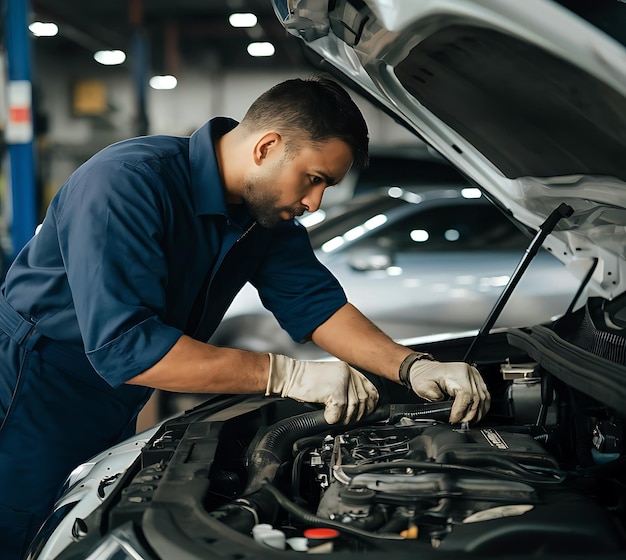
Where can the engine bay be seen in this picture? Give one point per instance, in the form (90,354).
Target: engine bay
(409,478)
(483,490)
(541,475)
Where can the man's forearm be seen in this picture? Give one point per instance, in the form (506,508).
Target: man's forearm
(351,337)
(195,367)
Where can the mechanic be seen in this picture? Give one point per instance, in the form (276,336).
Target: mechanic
(139,255)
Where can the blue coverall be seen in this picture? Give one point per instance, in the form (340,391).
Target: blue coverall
(137,248)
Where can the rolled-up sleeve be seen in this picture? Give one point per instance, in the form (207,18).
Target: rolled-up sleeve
(110,227)
(299,290)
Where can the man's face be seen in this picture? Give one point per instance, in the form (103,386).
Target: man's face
(287,185)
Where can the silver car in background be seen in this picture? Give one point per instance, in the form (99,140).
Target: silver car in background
(416,262)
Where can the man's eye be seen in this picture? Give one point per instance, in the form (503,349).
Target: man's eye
(316,180)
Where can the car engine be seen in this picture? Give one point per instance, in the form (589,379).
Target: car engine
(482,490)
(411,479)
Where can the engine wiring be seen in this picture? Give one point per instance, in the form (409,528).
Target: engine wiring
(559,476)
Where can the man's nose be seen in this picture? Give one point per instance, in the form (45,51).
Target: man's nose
(313,198)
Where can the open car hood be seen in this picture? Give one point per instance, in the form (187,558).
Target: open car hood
(527,99)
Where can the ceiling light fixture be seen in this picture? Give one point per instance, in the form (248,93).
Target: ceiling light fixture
(261,48)
(163,82)
(471,192)
(43,29)
(110,58)
(242,20)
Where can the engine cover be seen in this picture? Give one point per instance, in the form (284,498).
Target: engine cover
(485,490)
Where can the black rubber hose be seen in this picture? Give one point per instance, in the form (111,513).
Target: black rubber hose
(312,519)
(244,513)
(276,445)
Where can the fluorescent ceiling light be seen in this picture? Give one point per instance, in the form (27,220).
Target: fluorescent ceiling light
(163,82)
(332,244)
(419,235)
(242,20)
(313,218)
(43,29)
(110,58)
(375,221)
(261,49)
(471,192)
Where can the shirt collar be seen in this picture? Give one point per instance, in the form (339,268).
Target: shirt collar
(206,181)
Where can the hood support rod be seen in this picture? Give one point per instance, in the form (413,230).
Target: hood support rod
(562,211)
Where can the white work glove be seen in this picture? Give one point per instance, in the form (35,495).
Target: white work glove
(434,380)
(345,392)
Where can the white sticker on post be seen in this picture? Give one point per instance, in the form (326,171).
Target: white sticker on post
(19,129)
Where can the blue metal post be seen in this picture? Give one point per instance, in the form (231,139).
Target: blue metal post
(141,56)
(19,134)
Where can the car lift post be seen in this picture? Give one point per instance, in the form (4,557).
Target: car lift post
(19,127)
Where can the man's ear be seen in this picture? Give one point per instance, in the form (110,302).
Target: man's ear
(269,142)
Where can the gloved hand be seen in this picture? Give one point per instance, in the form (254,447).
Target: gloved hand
(433,380)
(346,393)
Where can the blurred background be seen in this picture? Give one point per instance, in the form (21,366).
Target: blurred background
(415,246)
(78,75)
(99,72)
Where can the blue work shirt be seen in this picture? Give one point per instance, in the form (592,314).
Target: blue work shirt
(139,240)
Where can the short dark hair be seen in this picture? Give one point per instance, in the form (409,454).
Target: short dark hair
(315,109)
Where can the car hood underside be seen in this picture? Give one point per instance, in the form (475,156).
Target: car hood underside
(526,99)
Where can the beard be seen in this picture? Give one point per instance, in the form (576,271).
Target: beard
(262,203)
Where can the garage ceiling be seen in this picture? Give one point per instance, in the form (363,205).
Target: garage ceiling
(179,31)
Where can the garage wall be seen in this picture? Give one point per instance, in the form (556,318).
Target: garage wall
(202,92)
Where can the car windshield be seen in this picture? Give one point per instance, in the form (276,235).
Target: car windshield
(352,214)
(410,221)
